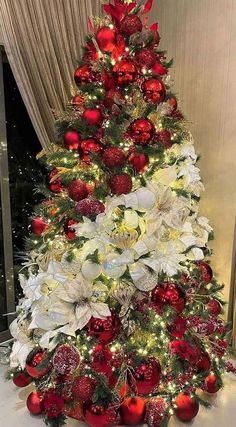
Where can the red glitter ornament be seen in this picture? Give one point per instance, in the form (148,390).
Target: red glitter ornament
(169,294)
(89,146)
(77,101)
(90,206)
(96,415)
(66,359)
(121,183)
(124,72)
(154,91)
(106,39)
(132,411)
(163,137)
(69,230)
(113,157)
(206,273)
(211,385)
(34,403)
(186,407)
(83,388)
(146,376)
(141,131)
(77,190)
(22,379)
(145,58)
(131,24)
(54,185)
(93,116)
(155,411)
(214,307)
(38,225)
(83,75)
(34,359)
(139,161)
(71,140)
(53,404)
(105,330)
(178,328)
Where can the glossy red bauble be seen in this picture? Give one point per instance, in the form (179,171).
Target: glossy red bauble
(147,376)
(22,379)
(154,91)
(113,157)
(83,75)
(83,388)
(77,101)
(38,225)
(145,58)
(89,146)
(66,359)
(159,69)
(141,131)
(96,415)
(54,184)
(203,364)
(34,359)
(211,385)
(69,230)
(206,273)
(124,72)
(78,190)
(163,137)
(105,330)
(93,116)
(121,184)
(169,294)
(34,403)
(131,24)
(71,140)
(90,206)
(214,307)
(133,411)
(139,161)
(186,407)
(106,39)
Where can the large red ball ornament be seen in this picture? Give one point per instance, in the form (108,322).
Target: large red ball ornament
(131,24)
(22,379)
(106,38)
(71,140)
(121,184)
(34,359)
(77,101)
(38,225)
(147,376)
(211,385)
(214,307)
(78,190)
(163,137)
(124,72)
(206,273)
(113,157)
(105,330)
(90,206)
(54,185)
(139,161)
(83,75)
(93,116)
(133,411)
(69,230)
(145,58)
(66,359)
(34,403)
(96,415)
(83,388)
(186,407)
(141,131)
(154,91)
(169,294)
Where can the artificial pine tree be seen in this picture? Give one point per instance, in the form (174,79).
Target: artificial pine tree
(121,319)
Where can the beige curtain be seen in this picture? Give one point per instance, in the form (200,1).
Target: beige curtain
(42,39)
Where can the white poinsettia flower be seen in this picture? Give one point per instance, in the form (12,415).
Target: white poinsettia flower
(189,171)
(166,258)
(47,313)
(166,176)
(204,223)
(23,344)
(140,200)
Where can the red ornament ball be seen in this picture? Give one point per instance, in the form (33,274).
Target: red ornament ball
(206,273)
(163,137)
(113,157)
(66,359)
(139,161)
(145,58)
(69,230)
(34,359)
(169,294)
(214,307)
(54,185)
(159,69)
(133,411)
(131,24)
(89,146)
(211,385)
(71,140)
(90,206)
(83,75)
(124,72)
(147,376)
(203,364)
(173,103)
(93,116)
(105,330)
(38,225)
(154,91)
(77,101)
(155,411)
(186,407)
(34,403)
(83,388)
(53,405)
(22,379)
(141,131)
(78,190)
(96,415)
(121,184)
(106,39)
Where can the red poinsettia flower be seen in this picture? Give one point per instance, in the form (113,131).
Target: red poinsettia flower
(53,405)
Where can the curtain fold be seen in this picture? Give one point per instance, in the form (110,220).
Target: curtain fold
(42,39)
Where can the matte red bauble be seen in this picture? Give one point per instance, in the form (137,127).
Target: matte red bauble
(214,307)
(121,184)
(105,330)
(93,116)
(83,75)
(22,379)
(66,359)
(186,407)
(131,24)
(113,157)
(77,101)
(146,58)
(124,72)
(139,161)
(173,103)
(211,385)
(90,206)
(71,140)
(206,273)
(133,411)
(163,137)
(83,388)
(169,294)
(96,415)
(54,185)
(78,190)
(34,403)
(155,411)
(38,225)
(154,91)
(203,364)
(34,359)
(147,376)
(69,230)
(106,38)
(141,131)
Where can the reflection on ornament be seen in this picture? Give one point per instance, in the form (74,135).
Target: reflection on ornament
(111,268)
(124,237)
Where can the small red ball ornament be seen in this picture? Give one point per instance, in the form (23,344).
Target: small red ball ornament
(133,411)
(93,116)
(169,294)
(113,157)
(53,405)
(155,411)
(83,388)
(88,146)
(105,330)
(154,91)
(186,407)
(139,161)
(34,403)
(69,230)
(78,190)
(206,273)
(124,72)
(96,415)
(141,131)
(214,307)
(145,58)
(22,379)
(131,24)
(90,206)
(83,75)
(66,359)
(38,225)
(106,38)
(163,137)
(211,385)
(54,185)
(77,101)
(121,184)
(147,376)
(71,140)
(34,359)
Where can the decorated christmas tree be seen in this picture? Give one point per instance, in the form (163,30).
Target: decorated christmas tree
(120,323)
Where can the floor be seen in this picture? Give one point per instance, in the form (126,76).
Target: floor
(14,413)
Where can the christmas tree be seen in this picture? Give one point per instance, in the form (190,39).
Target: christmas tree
(120,323)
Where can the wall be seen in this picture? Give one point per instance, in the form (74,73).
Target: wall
(201,36)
